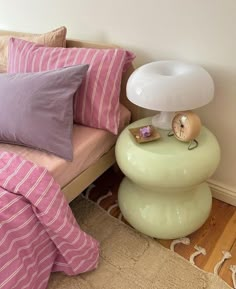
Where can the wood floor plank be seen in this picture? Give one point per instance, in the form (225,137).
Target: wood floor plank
(225,273)
(223,243)
(230,233)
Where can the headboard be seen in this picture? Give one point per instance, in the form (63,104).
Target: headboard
(78,43)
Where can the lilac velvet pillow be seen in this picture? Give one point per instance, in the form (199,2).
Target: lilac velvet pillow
(96,104)
(36,109)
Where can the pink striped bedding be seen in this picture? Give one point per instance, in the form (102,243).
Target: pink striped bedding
(38,232)
(96,103)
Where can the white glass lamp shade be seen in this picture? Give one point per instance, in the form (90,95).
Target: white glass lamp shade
(170,86)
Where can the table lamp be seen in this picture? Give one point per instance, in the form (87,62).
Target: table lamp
(169,86)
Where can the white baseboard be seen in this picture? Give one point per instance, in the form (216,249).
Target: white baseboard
(222,192)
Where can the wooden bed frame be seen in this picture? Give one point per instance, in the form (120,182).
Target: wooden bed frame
(84,179)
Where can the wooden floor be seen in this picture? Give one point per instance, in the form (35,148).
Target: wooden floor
(216,235)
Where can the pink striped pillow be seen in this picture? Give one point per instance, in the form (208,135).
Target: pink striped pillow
(96,103)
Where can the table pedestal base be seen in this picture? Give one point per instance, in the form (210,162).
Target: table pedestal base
(165,213)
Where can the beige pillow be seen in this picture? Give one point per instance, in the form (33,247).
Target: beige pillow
(54,38)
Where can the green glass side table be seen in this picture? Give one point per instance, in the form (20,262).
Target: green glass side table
(164,193)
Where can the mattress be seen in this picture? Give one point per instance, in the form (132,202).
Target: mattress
(89,144)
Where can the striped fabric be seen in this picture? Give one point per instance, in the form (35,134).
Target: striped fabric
(54,38)
(96,104)
(38,232)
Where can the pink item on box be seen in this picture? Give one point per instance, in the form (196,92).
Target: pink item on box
(96,103)
(145,131)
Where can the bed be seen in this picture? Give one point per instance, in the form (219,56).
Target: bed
(84,175)
(38,232)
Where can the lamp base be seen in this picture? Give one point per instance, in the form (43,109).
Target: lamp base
(163,119)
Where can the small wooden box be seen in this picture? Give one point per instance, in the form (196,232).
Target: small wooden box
(140,139)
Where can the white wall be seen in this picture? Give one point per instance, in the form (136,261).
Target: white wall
(202,31)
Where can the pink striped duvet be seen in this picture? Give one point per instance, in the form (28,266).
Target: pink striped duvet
(38,232)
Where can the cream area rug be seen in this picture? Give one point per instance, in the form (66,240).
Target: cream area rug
(129,259)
